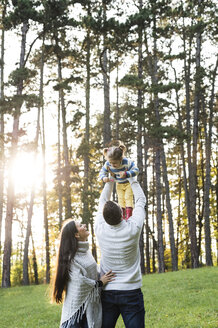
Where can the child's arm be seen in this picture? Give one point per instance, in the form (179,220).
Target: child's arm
(132,170)
(104,173)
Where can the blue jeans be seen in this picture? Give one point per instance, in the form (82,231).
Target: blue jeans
(128,303)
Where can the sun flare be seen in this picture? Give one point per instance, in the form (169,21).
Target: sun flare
(26,171)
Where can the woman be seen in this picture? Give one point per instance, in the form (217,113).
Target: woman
(77,277)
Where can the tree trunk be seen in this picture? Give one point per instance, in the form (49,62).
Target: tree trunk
(145,187)
(2,140)
(193,171)
(157,159)
(59,175)
(140,105)
(153,213)
(185,180)
(200,199)
(35,266)
(191,157)
(106,79)
(192,191)
(217,216)
(139,134)
(159,213)
(208,137)
(169,211)
(45,206)
(85,198)
(6,282)
(67,168)
(30,209)
(179,206)
(94,248)
(117,134)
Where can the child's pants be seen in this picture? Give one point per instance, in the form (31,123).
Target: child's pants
(125,194)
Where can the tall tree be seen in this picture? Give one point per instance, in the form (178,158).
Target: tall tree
(67,168)
(85,198)
(154,70)
(169,211)
(145,185)
(139,129)
(56,20)
(23,11)
(60,191)
(30,209)
(106,79)
(3,11)
(208,137)
(6,282)
(193,166)
(45,200)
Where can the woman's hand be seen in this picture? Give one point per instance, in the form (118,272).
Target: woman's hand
(106,179)
(109,276)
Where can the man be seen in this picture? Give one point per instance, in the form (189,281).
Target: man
(119,244)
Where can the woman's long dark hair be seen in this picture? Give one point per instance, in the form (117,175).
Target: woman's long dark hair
(67,250)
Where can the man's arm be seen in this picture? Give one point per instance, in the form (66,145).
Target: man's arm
(140,201)
(105,196)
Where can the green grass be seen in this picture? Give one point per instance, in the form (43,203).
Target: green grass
(176,299)
(182,299)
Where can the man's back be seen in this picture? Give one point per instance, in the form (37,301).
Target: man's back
(119,244)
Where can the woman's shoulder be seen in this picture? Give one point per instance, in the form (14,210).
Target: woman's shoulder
(84,259)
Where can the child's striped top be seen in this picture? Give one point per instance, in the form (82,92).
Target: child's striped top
(127,165)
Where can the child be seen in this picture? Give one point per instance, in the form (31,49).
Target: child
(120,168)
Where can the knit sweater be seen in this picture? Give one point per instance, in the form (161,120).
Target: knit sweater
(127,165)
(82,295)
(119,244)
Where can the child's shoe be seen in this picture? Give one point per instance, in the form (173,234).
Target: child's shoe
(128,212)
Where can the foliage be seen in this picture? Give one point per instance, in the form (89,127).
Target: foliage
(22,74)
(23,11)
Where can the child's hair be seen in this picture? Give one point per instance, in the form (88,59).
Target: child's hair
(115,151)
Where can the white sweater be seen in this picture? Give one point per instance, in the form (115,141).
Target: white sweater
(119,244)
(82,295)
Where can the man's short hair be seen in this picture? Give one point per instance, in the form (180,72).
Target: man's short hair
(112,213)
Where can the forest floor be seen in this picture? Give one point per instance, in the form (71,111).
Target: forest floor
(182,299)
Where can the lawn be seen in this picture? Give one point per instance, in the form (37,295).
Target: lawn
(183,299)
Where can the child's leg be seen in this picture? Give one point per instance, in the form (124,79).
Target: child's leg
(128,200)
(121,197)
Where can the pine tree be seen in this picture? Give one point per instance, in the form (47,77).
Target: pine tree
(2,139)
